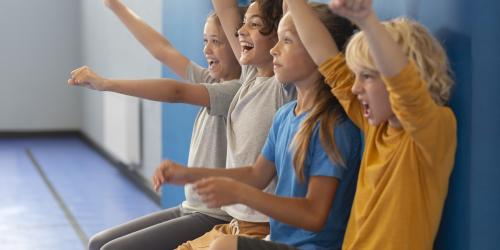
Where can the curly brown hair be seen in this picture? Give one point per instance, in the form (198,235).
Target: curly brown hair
(272,12)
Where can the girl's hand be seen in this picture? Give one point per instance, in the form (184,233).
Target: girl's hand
(219,191)
(357,11)
(85,77)
(169,172)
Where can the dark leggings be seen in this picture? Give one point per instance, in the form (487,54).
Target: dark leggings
(165,229)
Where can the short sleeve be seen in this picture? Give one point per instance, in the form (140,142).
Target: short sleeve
(197,74)
(248,74)
(348,142)
(221,95)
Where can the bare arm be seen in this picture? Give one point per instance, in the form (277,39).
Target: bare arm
(153,41)
(165,90)
(312,32)
(229,16)
(259,175)
(310,212)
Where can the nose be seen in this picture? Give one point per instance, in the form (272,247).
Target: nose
(207,49)
(242,31)
(275,50)
(357,87)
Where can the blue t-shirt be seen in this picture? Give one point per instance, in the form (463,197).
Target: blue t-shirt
(278,150)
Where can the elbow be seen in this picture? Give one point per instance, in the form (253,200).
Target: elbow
(161,52)
(176,96)
(316,221)
(315,225)
(158,54)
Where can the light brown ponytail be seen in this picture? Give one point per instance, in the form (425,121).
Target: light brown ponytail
(327,110)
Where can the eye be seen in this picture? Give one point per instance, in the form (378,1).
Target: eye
(216,42)
(254,25)
(366,76)
(205,41)
(287,40)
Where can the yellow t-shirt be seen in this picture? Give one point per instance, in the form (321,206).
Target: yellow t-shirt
(404,173)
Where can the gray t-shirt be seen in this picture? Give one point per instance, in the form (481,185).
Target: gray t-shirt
(208,140)
(250,117)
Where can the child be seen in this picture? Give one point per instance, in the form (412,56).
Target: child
(313,149)
(397,96)
(169,228)
(310,147)
(252,110)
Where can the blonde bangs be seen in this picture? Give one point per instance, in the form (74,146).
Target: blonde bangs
(419,45)
(358,53)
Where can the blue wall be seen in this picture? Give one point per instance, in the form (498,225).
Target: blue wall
(470,33)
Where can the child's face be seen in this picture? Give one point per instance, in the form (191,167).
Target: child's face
(255,46)
(371,92)
(292,63)
(221,61)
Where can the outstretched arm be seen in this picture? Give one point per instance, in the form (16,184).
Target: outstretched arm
(312,32)
(153,41)
(165,90)
(229,16)
(259,175)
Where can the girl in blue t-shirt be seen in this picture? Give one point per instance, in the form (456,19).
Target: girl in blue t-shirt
(312,148)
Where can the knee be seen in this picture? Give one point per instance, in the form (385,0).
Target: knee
(225,242)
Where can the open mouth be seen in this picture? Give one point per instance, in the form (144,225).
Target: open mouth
(366,109)
(246,46)
(212,63)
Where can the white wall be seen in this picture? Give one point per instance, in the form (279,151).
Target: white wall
(36,56)
(111,51)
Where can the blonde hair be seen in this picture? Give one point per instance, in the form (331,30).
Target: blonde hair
(419,45)
(212,15)
(326,110)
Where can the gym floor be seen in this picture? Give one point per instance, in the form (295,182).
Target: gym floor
(57,192)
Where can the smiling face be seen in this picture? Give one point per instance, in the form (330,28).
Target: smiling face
(292,63)
(370,90)
(255,46)
(222,64)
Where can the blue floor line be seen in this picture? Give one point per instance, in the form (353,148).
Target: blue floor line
(60,202)
(94,191)
(29,215)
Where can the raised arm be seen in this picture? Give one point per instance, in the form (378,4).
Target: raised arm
(312,32)
(323,50)
(153,41)
(165,90)
(229,16)
(387,54)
